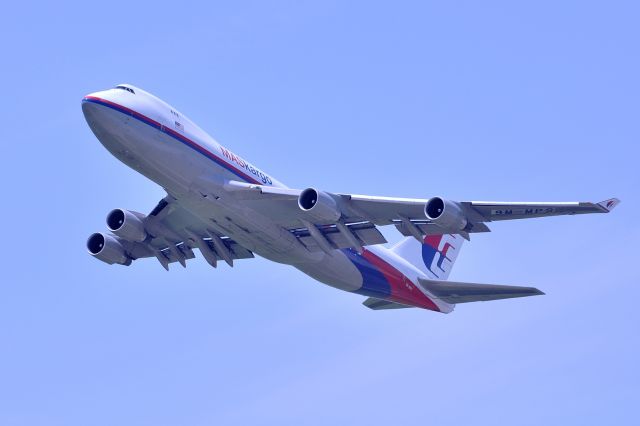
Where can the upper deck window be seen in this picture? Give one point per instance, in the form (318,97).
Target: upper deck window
(128,89)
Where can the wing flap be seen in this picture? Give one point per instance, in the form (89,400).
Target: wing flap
(365,232)
(173,234)
(181,250)
(427,228)
(459,292)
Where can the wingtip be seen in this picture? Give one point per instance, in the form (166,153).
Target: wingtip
(533,291)
(610,204)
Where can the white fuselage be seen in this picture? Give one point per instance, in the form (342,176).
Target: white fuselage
(162,144)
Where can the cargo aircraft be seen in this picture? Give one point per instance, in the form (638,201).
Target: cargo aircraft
(229,209)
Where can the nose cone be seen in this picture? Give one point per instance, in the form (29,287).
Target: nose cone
(90,107)
(122,97)
(100,115)
(90,104)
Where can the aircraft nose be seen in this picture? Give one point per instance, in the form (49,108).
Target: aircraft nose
(94,112)
(93,97)
(90,103)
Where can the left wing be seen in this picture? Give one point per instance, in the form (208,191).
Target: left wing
(174,226)
(169,233)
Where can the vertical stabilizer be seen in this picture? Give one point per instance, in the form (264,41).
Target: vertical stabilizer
(435,256)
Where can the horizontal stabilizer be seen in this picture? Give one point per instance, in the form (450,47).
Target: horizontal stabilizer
(379,304)
(456,292)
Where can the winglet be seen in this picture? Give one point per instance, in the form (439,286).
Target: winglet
(609,204)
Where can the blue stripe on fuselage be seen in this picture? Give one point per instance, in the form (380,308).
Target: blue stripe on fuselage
(374,284)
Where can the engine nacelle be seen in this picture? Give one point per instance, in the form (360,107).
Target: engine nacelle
(319,206)
(446,214)
(108,249)
(127,225)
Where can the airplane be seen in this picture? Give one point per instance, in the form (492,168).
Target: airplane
(228,209)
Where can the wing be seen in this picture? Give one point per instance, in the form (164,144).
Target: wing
(492,210)
(170,235)
(318,218)
(321,221)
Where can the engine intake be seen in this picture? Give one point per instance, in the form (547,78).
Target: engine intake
(127,224)
(108,249)
(319,206)
(446,214)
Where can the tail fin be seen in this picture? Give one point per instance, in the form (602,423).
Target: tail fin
(434,257)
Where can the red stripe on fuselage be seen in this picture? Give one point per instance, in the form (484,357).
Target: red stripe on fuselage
(402,288)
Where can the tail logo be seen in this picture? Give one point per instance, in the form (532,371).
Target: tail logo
(439,253)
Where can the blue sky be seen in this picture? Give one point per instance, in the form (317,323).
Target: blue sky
(468,100)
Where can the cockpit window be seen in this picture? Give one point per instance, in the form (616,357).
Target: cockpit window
(128,89)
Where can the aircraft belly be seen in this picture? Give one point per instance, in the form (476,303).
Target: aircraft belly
(373,273)
(249,228)
(335,270)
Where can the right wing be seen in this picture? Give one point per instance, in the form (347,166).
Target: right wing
(495,210)
(321,223)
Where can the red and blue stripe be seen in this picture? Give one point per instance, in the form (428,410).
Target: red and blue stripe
(382,280)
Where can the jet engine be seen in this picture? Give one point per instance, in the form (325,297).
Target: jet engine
(127,225)
(319,206)
(108,249)
(446,214)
